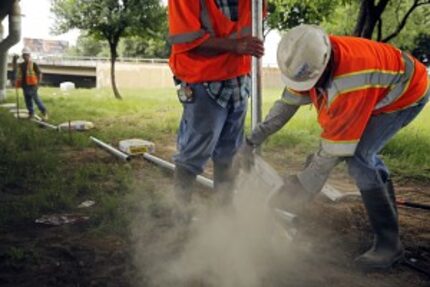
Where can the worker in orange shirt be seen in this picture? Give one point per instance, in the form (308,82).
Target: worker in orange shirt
(211,61)
(364,93)
(28,78)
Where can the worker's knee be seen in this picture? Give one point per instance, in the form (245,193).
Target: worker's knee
(365,174)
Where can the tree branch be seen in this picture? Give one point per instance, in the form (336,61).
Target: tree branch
(379,37)
(404,20)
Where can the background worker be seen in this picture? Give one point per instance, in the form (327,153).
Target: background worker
(211,61)
(28,77)
(364,93)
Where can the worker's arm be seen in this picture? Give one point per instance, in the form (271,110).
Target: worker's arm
(187,33)
(280,113)
(317,170)
(38,72)
(243,46)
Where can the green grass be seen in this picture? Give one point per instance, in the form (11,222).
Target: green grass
(43,171)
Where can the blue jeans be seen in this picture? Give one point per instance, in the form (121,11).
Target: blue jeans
(30,95)
(208,130)
(366,167)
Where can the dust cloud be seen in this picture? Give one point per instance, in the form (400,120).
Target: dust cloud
(236,246)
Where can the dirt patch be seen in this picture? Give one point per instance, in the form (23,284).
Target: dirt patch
(35,255)
(330,236)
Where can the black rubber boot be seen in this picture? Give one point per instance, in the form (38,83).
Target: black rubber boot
(387,248)
(390,189)
(183,188)
(224,176)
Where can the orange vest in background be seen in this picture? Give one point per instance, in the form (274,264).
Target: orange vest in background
(30,78)
(191,22)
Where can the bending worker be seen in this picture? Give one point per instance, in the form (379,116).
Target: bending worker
(28,77)
(364,93)
(210,60)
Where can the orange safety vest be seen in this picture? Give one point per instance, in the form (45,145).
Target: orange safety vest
(191,22)
(369,78)
(30,78)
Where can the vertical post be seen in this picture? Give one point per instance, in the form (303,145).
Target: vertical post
(256,90)
(70,131)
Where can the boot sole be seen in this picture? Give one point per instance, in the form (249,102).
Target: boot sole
(378,268)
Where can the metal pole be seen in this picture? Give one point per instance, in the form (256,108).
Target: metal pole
(161,162)
(256,90)
(111,149)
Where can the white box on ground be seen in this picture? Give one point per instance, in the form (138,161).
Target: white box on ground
(66,86)
(136,146)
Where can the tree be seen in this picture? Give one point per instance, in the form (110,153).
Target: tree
(110,20)
(285,14)
(370,17)
(141,47)
(88,46)
(422,48)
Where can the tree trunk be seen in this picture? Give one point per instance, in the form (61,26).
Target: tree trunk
(361,20)
(113,56)
(368,17)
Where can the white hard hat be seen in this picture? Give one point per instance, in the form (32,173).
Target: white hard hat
(303,55)
(26,50)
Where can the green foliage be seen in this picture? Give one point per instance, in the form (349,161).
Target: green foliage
(88,46)
(140,47)
(284,15)
(108,19)
(342,22)
(422,48)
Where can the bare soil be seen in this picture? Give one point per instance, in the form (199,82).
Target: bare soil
(73,255)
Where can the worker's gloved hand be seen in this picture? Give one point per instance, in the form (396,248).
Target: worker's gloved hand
(293,186)
(291,197)
(247,156)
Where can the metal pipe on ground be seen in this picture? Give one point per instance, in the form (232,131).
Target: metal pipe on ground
(45,124)
(168,165)
(111,149)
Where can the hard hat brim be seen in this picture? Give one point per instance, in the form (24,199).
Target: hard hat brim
(310,83)
(300,86)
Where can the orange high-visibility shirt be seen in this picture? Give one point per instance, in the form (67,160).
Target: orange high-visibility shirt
(369,78)
(191,22)
(31,78)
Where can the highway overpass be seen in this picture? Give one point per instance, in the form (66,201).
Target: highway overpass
(90,72)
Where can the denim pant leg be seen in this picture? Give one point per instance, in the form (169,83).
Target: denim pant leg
(38,101)
(232,134)
(367,169)
(28,97)
(201,125)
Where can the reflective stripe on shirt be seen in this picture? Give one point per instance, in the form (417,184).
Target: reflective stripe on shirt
(207,26)
(396,81)
(339,148)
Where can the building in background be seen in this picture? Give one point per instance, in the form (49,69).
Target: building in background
(46,47)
